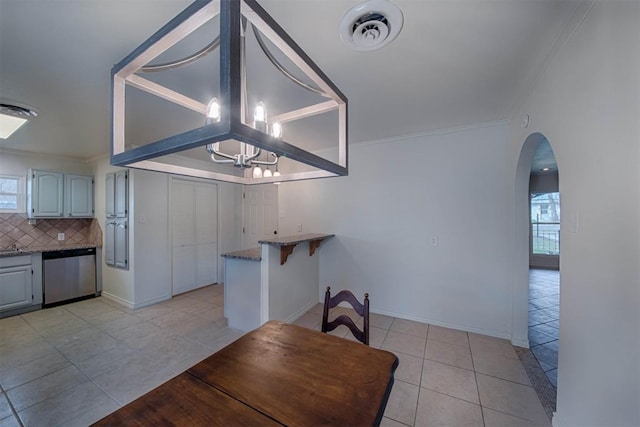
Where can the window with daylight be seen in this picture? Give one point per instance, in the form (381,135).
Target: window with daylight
(545,223)
(11,194)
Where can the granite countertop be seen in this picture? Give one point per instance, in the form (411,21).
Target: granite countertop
(293,240)
(253,254)
(31,250)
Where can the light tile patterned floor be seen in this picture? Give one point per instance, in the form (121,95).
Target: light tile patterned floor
(544,323)
(448,377)
(72,365)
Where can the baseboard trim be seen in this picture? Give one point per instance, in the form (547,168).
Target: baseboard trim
(151,301)
(117,299)
(520,343)
(465,328)
(295,316)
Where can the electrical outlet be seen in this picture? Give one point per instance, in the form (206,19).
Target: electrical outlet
(434,240)
(299,228)
(60,236)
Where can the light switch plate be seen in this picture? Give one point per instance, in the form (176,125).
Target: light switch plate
(60,236)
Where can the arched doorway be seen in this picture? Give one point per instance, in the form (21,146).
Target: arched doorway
(537,244)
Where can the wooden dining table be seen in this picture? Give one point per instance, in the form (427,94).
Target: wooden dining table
(278,374)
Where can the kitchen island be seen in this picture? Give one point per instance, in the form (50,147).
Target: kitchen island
(278,281)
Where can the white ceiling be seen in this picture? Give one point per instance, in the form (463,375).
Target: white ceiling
(455,62)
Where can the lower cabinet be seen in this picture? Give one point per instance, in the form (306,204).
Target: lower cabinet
(20,284)
(116,248)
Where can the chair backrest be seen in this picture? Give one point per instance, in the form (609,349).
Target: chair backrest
(330,302)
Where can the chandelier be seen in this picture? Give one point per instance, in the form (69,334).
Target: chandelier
(241,141)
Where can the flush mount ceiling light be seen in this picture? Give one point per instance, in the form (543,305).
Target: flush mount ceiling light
(233,121)
(13,116)
(371,25)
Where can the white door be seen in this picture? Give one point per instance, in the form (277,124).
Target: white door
(194,231)
(260,209)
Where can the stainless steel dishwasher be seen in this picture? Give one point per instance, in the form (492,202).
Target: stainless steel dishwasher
(69,275)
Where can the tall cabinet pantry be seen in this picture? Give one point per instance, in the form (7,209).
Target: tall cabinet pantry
(116,252)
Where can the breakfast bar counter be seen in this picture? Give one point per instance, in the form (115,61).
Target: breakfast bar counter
(278,281)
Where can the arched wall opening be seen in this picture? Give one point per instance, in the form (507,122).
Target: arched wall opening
(530,321)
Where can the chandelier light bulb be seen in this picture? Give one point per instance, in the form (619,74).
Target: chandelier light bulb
(276,130)
(257,172)
(276,173)
(213,110)
(260,113)
(267,173)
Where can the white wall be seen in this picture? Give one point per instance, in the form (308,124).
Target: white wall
(150,233)
(229,221)
(15,162)
(587,105)
(397,197)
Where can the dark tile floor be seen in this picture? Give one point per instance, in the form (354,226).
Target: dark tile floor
(544,324)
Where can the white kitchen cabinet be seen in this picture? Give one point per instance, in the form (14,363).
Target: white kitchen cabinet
(116,245)
(16,282)
(110,194)
(121,244)
(121,195)
(59,195)
(45,191)
(116,193)
(109,242)
(78,196)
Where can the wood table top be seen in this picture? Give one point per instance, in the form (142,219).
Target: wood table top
(186,401)
(286,374)
(303,377)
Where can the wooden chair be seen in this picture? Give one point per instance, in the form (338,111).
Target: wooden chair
(361,335)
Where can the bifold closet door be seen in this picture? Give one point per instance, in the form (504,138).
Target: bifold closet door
(194,231)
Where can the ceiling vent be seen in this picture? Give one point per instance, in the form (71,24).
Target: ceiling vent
(13,116)
(371,25)
(16,110)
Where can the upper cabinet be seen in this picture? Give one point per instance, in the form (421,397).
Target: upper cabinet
(78,196)
(116,193)
(58,195)
(45,192)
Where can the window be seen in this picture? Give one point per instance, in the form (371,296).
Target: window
(11,194)
(545,223)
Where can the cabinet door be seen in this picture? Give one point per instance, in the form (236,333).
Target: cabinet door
(15,287)
(121,244)
(47,194)
(78,196)
(121,193)
(110,194)
(110,242)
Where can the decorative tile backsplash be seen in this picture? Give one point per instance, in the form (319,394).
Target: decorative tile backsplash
(16,230)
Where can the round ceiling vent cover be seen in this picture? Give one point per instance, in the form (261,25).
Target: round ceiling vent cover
(371,25)
(18,110)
